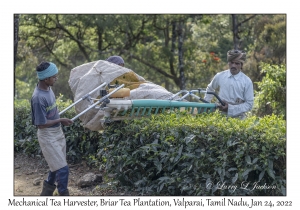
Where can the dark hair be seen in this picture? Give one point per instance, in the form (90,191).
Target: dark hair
(42,66)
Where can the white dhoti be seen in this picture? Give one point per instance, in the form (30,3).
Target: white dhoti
(53,144)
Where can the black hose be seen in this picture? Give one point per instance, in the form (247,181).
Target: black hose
(223,104)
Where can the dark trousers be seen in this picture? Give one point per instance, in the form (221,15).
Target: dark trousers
(61,177)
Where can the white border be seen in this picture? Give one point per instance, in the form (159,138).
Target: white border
(138,7)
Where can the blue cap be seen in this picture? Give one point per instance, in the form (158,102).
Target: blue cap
(116,60)
(48,72)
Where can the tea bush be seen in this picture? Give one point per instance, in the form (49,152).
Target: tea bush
(25,138)
(181,154)
(176,153)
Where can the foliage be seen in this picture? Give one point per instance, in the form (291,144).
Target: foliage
(176,153)
(274,37)
(268,45)
(26,77)
(147,42)
(181,154)
(81,142)
(271,95)
(24,133)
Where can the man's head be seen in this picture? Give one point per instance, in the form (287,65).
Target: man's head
(116,60)
(47,71)
(236,59)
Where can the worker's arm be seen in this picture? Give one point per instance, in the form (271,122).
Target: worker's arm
(211,87)
(64,121)
(235,110)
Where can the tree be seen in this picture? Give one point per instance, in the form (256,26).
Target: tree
(237,29)
(180,32)
(71,40)
(235,32)
(170,38)
(271,95)
(16,40)
(268,45)
(181,51)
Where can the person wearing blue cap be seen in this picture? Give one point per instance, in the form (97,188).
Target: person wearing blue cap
(45,116)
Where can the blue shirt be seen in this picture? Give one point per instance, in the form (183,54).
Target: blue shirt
(43,107)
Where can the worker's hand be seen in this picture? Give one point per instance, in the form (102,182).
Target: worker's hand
(66,121)
(223,108)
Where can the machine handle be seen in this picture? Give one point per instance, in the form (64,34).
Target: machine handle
(82,98)
(223,104)
(98,102)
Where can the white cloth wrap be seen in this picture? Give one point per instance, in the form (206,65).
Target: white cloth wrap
(85,78)
(53,144)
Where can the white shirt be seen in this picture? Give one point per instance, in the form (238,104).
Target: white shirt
(233,89)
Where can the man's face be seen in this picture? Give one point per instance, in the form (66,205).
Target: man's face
(51,80)
(235,67)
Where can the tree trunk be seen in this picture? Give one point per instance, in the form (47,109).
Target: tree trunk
(235,32)
(180,56)
(173,45)
(16,40)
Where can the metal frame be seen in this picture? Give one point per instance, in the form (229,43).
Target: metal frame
(191,93)
(144,107)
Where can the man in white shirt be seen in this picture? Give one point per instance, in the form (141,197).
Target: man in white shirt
(235,88)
